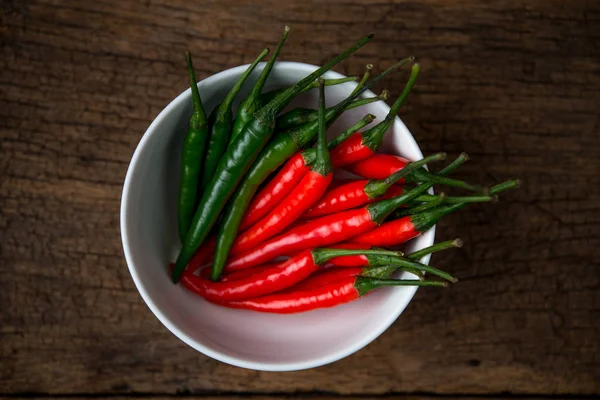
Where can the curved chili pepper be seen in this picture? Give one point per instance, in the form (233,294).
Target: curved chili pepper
(293,171)
(221,123)
(327,276)
(280,148)
(380,166)
(192,155)
(273,279)
(331,295)
(327,230)
(303,196)
(354,193)
(237,160)
(362,145)
(253,103)
(347,196)
(285,181)
(401,230)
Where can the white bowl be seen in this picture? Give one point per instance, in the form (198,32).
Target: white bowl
(248,339)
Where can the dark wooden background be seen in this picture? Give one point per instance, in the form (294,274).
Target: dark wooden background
(513,83)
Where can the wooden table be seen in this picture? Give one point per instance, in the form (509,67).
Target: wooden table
(513,83)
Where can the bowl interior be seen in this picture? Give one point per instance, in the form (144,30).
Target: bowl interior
(239,337)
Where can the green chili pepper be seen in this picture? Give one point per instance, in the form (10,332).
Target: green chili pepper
(237,160)
(253,103)
(191,156)
(221,121)
(283,146)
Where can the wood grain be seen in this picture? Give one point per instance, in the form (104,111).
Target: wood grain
(514,84)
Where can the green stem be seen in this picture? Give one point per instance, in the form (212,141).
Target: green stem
(365,285)
(461,159)
(377,188)
(350,101)
(449,244)
(198,118)
(268,112)
(322,255)
(364,78)
(268,96)
(420,208)
(380,210)
(426,220)
(225,106)
(501,187)
(400,262)
(366,120)
(322,164)
(421,175)
(374,136)
(331,82)
(260,82)
(387,271)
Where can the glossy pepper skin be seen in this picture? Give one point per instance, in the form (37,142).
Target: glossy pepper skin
(274,154)
(327,230)
(399,231)
(329,275)
(378,165)
(297,166)
(362,145)
(349,196)
(309,190)
(253,102)
(331,295)
(237,160)
(221,123)
(192,155)
(278,149)
(270,280)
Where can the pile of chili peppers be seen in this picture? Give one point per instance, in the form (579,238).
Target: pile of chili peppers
(265,225)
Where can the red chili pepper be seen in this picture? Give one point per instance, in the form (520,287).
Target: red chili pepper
(380,166)
(401,230)
(354,195)
(330,275)
(303,196)
(288,178)
(362,145)
(293,173)
(327,230)
(276,190)
(270,280)
(331,295)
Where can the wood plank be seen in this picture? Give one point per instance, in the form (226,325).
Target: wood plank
(301,396)
(514,84)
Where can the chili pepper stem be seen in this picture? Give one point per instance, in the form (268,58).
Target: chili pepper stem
(365,285)
(275,105)
(364,78)
(252,103)
(377,188)
(422,175)
(501,187)
(374,136)
(417,255)
(400,262)
(228,100)
(322,255)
